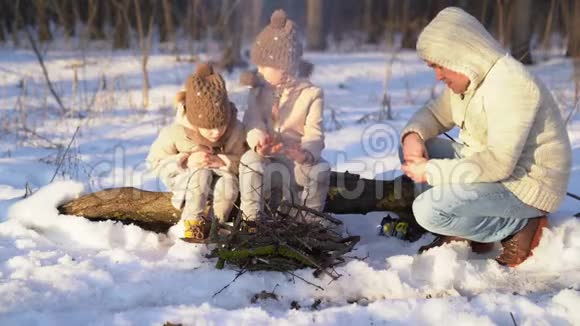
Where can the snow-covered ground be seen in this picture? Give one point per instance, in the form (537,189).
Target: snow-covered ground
(60,270)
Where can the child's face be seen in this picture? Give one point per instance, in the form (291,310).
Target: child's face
(271,75)
(213,134)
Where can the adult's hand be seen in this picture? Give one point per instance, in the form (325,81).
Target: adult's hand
(416,170)
(414,149)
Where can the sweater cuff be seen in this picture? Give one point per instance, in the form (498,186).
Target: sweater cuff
(253,137)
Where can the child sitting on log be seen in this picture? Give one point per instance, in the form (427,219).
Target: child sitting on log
(199,153)
(284,128)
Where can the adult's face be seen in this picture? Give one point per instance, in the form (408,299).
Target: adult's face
(456,81)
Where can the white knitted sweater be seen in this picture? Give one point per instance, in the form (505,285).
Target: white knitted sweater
(511,125)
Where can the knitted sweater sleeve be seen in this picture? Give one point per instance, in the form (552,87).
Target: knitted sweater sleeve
(511,110)
(253,120)
(163,155)
(313,138)
(433,119)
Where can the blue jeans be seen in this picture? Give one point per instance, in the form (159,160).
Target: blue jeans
(483,212)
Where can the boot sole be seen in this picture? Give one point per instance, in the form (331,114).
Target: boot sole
(543,223)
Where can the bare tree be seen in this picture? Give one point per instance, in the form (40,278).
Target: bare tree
(521,30)
(121,16)
(2,32)
(66,15)
(167,30)
(232,30)
(547,31)
(413,20)
(194,19)
(145,38)
(42,21)
(573,27)
(316,39)
(96,19)
(16,21)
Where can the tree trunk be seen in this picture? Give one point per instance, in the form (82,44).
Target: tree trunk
(412,22)
(232,31)
(193,19)
(521,30)
(145,39)
(257,10)
(153,211)
(16,22)
(66,17)
(121,34)
(42,21)
(574,31)
(2,32)
(316,39)
(167,28)
(96,19)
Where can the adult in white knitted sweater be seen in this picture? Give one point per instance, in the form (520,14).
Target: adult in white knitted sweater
(512,164)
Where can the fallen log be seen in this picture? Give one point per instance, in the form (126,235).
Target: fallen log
(348,194)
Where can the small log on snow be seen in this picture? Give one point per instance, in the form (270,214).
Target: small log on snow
(349,194)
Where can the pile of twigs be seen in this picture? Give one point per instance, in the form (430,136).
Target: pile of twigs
(293,237)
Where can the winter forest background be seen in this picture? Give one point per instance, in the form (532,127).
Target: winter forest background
(86,86)
(518,24)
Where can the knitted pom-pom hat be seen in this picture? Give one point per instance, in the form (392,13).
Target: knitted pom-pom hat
(277,45)
(206,99)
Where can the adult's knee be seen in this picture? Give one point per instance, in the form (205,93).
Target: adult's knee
(428,214)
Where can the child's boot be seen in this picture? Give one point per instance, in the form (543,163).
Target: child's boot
(196,230)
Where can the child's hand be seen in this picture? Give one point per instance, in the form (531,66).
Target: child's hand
(264,140)
(269,149)
(197,160)
(214,162)
(269,145)
(296,154)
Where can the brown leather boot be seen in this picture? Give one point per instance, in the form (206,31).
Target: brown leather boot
(477,247)
(481,247)
(518,246)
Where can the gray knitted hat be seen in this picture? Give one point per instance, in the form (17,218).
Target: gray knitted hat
(277,45)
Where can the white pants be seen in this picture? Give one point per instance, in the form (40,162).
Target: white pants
(192,189)
(278,178)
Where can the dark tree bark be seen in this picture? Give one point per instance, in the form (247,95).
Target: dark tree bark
(96,12)
(66,16)
(166,24)
(42,21)
(232,26)
(348,194)
(120,10)
(521,30)
(193,21)
(414,18)
(374,20)
(144,21)
(573,49)
(316,39)
(2,32)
